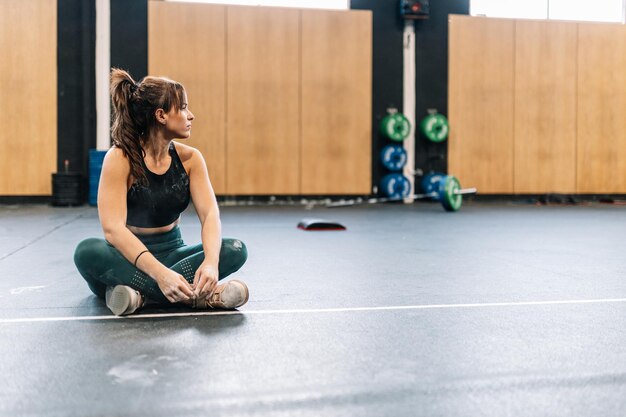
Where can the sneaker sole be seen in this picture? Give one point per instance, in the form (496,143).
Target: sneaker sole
(119,300)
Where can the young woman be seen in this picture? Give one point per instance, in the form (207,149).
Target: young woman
(147,180)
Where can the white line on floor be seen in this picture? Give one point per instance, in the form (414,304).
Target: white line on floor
(312,310)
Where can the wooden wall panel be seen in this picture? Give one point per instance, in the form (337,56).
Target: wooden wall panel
(186,42)
(601,108)
(263,100)
(545,107)
(480,102)
(28,96)
(336,102)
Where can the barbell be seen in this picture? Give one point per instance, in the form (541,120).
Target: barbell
(444,188)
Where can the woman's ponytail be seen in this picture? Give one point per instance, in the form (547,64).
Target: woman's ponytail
(127,134)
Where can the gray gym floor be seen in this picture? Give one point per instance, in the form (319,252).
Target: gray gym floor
(497,310)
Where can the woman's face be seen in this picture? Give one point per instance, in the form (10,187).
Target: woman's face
(178,122)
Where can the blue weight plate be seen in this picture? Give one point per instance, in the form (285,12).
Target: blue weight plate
(430,182)
(396,186)
(393,157)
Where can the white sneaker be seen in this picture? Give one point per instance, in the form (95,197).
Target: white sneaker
(123,300)
(230,295)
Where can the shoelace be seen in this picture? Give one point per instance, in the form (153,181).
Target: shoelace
(216,297)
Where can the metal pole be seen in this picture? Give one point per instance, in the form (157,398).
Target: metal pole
(103,64)
(408,105)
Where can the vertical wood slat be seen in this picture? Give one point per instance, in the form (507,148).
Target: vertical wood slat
(601,108)
(336,102)
(264,94)
(28,94)
(186,42)
(480,145)
(545,107)
(263,102)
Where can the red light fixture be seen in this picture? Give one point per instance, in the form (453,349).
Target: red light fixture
(414,9)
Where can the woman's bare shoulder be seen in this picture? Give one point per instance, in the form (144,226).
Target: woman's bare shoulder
(116,153)
(115,157)
(186,152)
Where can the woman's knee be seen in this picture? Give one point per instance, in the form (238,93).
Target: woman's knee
(235,250)
(88,251)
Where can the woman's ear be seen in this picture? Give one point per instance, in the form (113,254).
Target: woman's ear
(160,116)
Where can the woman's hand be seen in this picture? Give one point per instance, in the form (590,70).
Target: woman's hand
(175,287)
(205,280)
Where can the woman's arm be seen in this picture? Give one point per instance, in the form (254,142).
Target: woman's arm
(112,212)
(206,207)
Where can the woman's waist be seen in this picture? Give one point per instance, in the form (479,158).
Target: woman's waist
(141,232)
(157,235)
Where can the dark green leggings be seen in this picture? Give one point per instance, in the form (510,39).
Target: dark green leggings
(101,265)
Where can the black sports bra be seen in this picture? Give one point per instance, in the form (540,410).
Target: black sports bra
(163,199)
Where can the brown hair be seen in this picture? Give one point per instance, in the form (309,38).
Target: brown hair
(134,107)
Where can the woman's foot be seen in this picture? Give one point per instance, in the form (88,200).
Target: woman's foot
(123,300)
(230,295)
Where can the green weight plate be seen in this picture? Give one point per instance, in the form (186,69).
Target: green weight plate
(435,127)
(395,126)
(448,186)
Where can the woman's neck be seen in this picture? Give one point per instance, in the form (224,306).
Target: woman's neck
(157,146)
